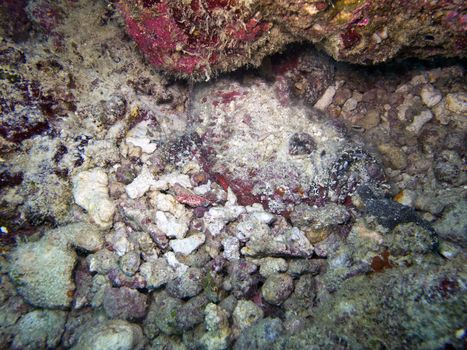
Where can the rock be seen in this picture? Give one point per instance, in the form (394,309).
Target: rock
(260,161)
(277,288)
(39,330)
(170,180)
(101,153)
(215,317)
(419,121)
(266,334)
(448,167)
(453,224)
(165,342)
(110,335)
(326,99)
(172,218)
(217,326)
(129,263)
(298,267)
(430,96)
(354,40)
(80,235)
(119,240)
(217,217)
(395,156)
(457,103)
(172,261)
(156,273)
(138,136)
(270,266)
(188,245)
(410,239)
(240,279)
(125,303)
(43,273)
(166,315)
(187,285)
(250,225)
(90,190)
(245,314)
(290,243)
(140,184)
(318,223)
(370,119)
(170,225)
(102,261)
(350,105)
(231,248)
(425,299)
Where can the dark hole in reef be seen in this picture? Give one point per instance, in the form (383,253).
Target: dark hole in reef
(429,37)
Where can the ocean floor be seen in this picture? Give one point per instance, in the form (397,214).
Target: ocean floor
(306,204)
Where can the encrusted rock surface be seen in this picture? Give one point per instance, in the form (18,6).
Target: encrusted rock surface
(199,38)
(306,204)
(42,272)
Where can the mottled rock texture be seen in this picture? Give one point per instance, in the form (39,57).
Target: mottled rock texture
(200,37)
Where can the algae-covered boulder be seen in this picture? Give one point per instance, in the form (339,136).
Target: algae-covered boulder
(421,307)
(39,330)
(111,335)
(43,273)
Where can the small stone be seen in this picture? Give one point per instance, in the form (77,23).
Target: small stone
(430,96)
(396,157)
(166,181)
(270,266)
(410,238)
(266,334)
(240,280)
(102,261)
(187,285)
(140,184)
(231,248)
(419,121)
(43,273)
(218,330)
(449,250)
(215,317)
(39,329)
(457,103)
(166,313)
(291,243)
(138,137)
(188,245)
(448,167)
(370,119)
(350,105)
(111,335)
(217,217)
(298,267)
(90,190)
(156,273)
(245,314)
(452,225)
(173,262)
(326,99)
(80,235)
(170,225)
(277,288)
(125,303)
(301,144)
(129,263)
